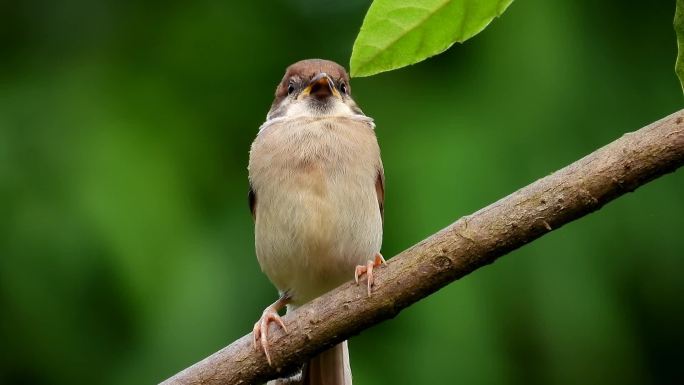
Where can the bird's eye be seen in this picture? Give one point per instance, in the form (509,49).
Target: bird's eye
(290,89)
(343,88)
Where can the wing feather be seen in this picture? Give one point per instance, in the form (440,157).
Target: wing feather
(380,192)
(251,196)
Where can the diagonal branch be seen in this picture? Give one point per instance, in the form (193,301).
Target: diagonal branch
(469,243)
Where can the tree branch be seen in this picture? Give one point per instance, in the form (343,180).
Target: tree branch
(469,243)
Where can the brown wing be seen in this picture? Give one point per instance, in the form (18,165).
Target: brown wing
(380,192)
(251,196)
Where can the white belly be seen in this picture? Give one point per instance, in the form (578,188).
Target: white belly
(317,213)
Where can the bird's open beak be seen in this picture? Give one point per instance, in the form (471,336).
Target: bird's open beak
(321,86)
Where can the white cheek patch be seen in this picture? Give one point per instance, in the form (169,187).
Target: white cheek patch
(303,109)
(300,109)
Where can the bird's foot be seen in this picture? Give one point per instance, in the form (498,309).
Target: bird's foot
(260,331)
(368,270)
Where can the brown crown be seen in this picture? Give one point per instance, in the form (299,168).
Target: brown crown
(304,70)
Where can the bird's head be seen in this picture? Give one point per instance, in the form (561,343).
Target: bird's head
(314,87)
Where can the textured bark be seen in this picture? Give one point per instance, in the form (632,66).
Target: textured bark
(469,243)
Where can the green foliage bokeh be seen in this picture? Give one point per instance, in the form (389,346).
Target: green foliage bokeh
(126,248)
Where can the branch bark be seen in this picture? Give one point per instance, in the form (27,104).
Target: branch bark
(469,243)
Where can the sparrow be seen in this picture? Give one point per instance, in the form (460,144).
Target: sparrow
(317,192)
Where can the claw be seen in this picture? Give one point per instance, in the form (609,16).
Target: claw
(260,330)
(368,270)
(256,333)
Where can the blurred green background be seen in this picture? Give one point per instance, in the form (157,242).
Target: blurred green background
(126,244)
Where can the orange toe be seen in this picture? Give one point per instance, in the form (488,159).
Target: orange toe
(260,330)
(368,270)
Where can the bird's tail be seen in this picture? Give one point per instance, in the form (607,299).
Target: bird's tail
(331,367)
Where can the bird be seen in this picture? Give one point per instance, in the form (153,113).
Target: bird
(316,193)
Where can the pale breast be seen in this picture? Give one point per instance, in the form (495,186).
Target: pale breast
(317,213)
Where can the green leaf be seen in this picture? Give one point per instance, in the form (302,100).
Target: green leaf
(679,30)
(398,33)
